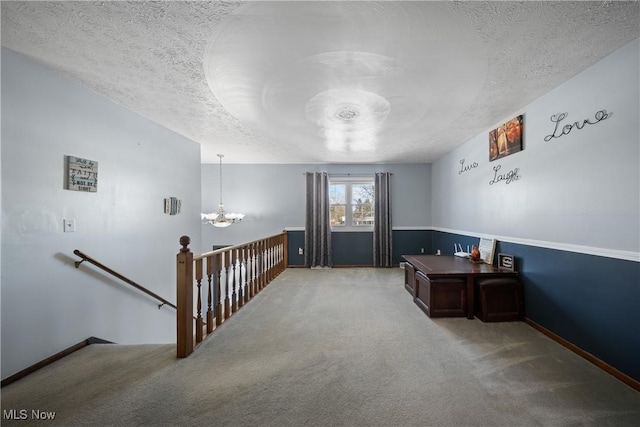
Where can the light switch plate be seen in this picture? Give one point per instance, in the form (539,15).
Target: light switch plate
(69,225)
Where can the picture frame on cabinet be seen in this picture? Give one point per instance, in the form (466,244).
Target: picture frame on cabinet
(487,248)
(506,262)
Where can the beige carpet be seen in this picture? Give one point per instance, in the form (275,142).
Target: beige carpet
(341,347)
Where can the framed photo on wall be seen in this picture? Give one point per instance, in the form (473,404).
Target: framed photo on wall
(506,139)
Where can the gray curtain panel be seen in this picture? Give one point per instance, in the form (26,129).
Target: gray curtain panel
(382,255)
(317,235)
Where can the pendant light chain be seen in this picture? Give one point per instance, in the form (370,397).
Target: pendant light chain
(221,218)
(221,156)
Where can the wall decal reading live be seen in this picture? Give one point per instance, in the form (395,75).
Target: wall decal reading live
(467,167)
(508,178)
(557,118)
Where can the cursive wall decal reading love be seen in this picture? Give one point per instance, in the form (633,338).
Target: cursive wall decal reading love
(557,118)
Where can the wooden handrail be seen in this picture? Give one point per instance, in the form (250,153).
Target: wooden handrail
(239,246)
(121,277)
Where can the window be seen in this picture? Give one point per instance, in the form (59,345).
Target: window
(352,202)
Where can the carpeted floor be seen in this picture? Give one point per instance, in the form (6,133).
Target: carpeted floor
(340,347)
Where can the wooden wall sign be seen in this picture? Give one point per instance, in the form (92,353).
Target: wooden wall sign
(82,174)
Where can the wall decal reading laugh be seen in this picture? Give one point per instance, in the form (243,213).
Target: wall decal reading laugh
(557,118)
(508,178)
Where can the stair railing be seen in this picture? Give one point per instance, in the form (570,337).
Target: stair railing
(232,277)
(121,277)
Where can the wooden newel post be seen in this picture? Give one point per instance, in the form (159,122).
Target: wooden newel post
(184,299)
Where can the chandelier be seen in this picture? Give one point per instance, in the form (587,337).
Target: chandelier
(221,218)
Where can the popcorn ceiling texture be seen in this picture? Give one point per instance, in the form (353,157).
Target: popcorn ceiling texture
(257,80)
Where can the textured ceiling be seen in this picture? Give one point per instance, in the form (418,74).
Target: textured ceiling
(321,82)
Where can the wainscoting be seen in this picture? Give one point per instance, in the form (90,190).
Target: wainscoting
(355,249)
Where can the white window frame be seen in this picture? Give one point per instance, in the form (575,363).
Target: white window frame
(348,181)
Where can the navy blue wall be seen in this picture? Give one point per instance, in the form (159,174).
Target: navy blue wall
(445,241)
(590,301)
(410,242)
(356,249)
(295,240)
(352,249)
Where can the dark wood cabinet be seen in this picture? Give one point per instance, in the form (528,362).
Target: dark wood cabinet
(449,286)
(441,297)
(410,278)
(499,299)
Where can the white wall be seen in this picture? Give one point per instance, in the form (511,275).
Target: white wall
(580,191)
(48,304)
(273,197)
